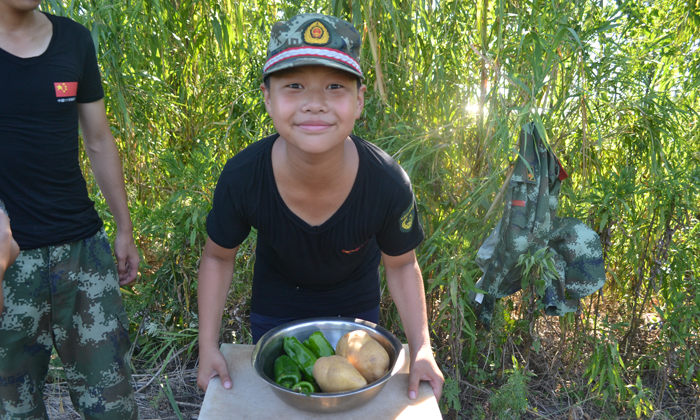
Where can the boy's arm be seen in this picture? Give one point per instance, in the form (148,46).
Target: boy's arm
(215,274)
(107,168)
(405,282)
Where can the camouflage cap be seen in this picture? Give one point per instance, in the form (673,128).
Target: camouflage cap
(314,39)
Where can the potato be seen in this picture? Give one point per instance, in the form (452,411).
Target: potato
(336,374)
(365,353)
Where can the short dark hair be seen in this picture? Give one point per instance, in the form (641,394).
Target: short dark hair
(266,81)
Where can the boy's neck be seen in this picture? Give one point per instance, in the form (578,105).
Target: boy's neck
(315,187)
(13,20)
(24,33)
(316,171)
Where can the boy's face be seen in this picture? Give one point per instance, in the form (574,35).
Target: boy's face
(314,108)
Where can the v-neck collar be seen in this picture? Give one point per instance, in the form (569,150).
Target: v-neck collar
(38,58)
(335,217)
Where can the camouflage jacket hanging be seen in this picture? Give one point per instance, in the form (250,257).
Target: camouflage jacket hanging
(529,224)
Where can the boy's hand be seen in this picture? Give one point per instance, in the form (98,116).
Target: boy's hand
(127,257)
(424,368)
(9,250)
(212,363)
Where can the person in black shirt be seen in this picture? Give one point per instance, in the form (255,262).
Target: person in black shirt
(328,206)
(62,292)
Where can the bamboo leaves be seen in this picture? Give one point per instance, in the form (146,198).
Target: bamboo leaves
(613,87)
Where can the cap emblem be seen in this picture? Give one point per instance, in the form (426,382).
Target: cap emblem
(316,34)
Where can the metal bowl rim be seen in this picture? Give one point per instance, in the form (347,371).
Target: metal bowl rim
(396,344)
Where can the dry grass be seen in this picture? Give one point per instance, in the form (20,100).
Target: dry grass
(559,391)
(150,396)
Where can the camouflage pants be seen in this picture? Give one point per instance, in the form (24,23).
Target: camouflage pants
(65,297)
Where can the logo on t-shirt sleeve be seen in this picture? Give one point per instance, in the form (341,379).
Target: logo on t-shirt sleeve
(407,219)
(66,90)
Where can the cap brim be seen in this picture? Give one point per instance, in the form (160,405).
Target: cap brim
(310,61)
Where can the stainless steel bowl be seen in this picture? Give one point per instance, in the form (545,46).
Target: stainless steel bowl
(271,346)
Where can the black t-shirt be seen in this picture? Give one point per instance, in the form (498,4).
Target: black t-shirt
(40,178)
(326,270)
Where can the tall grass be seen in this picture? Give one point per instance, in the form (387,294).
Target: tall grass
(613,85)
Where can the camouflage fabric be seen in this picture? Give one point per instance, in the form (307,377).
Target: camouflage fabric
(65,297)
(314,39)
(529,223)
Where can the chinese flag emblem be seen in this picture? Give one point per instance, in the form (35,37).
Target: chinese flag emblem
(66,89)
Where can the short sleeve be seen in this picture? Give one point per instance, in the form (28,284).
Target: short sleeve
(226,225)
(90,86)
(402,231)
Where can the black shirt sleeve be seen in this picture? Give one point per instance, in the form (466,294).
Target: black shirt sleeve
(226,225)
(90,87)
(402,231)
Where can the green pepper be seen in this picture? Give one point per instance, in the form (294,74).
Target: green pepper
(304,387)
(302,356)
(318,345)
(314,385)
(287,373)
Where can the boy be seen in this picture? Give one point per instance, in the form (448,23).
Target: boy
(327,206)
(62,292)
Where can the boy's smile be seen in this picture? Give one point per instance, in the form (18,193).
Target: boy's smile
(314,108)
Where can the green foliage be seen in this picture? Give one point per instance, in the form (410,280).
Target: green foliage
(451,395)
(640,400)
(56,372)
(165,385)
(510,400)
(538,269)
(605,368)
(612,85)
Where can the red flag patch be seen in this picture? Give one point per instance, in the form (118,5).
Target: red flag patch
(519,203)
(66,89)
(562,173)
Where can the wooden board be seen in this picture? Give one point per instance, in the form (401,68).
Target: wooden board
(251,397)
